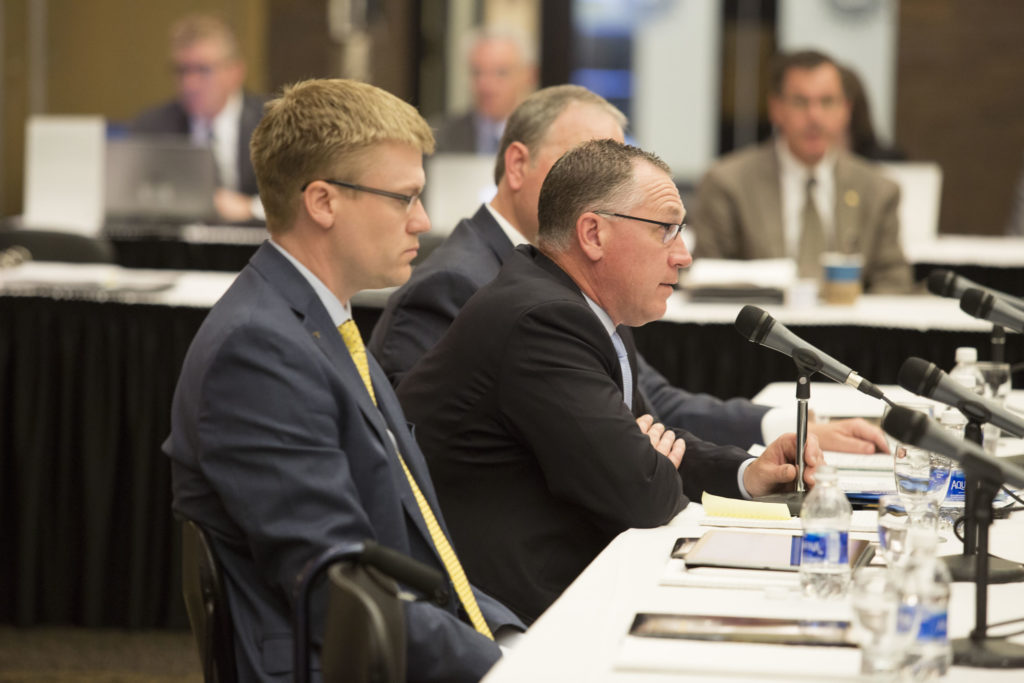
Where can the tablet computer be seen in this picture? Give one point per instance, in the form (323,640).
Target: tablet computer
(831,633)
(753,550)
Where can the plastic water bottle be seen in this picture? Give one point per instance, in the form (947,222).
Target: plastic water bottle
(824,556)
(966,372)
(926,589)
(953,421)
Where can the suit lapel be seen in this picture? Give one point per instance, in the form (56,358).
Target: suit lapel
(846,236)
(487,229)
(768,196)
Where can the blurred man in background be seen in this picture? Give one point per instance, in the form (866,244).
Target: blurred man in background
(503,72)
(802,193)
(212,108)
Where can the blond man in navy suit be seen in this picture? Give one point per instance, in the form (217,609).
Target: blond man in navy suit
(278,448)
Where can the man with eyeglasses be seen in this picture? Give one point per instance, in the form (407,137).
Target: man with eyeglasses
(545,126)
(213,109)
(538,438)
(286,437)
(802,194)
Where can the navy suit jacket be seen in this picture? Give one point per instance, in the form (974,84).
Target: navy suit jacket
(170,117)
(419,313)
(537,460)
(279,453)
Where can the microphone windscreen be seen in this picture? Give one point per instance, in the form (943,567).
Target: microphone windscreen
(914,375)
(976,303)
(940,282)
(904,424)
(748,321)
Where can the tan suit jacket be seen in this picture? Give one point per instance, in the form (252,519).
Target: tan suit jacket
(738,214)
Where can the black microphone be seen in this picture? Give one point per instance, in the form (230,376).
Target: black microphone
(946,283)
(760,328)
(405,569)
(926,379)
(910,426)
(992,307)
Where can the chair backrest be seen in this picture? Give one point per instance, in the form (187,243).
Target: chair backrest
(206,603)
(48,245)
(920,199)
(364,630)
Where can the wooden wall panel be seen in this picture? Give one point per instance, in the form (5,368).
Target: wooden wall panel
(960,102)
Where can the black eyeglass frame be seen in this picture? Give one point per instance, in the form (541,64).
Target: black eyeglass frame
(408,199)
(672,230)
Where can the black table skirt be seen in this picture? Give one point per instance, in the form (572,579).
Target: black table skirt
(86,531)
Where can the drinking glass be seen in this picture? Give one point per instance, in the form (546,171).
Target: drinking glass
(898,520)
(920,474)
(997,387)
(884,630)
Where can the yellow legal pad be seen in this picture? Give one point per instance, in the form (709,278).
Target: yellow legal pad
(717,506)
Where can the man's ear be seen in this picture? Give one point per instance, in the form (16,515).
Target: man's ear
(320,203)
(517,158)
(591,235)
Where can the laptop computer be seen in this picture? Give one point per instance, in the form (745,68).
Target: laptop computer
(457,184)
(156,179)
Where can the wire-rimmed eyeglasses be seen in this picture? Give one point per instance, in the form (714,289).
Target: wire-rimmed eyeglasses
(671,230)
(408,199)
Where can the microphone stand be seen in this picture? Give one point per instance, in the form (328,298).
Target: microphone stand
(977,509)
(978,649)
(807,364)
(998,344)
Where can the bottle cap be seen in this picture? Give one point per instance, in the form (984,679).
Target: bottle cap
(966,354)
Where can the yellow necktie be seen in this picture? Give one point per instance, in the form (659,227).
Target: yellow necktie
(354,342)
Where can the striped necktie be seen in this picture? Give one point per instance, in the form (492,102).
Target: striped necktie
(354,342)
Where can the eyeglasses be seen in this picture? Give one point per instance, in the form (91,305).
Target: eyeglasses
(827,103)
(672,230)
(407,199)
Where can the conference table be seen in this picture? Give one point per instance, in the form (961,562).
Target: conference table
(89,359)
(586,634)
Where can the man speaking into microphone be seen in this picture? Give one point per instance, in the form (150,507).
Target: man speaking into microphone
(537,435)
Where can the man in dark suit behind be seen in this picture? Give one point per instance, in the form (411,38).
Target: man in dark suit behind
(286,439)
(528,410)
(502,71)
(540,130)
(212,108)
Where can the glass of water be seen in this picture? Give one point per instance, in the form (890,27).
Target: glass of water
(898,520)
(884,627)
(997,387)
(920,475)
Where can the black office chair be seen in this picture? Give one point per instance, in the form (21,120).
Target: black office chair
(48,245)
(364,630)
(206,603)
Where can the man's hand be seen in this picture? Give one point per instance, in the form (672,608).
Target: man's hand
(850,436)
(663,440)
(773,471)
(232,206)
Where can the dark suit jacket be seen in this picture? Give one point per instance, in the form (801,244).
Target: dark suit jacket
(737,214)
(170,117)
(278,451)
(419,313)
(536,459)
(456,134)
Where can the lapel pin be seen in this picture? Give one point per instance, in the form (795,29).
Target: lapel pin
(316,335)
(851,198)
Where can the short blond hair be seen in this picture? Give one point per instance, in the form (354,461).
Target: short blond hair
(319,129)
(194,28)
